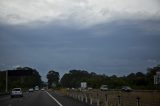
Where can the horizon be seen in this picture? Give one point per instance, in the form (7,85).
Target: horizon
(44,77)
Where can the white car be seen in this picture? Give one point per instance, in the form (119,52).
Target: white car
(16,92)
(36,88)
(42,89)
(31,90)
(90,88)
(127,89)
(104,87)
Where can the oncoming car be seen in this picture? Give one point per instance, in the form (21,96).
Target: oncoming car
(104,87)
(31,90)
(16,92)
(42,89)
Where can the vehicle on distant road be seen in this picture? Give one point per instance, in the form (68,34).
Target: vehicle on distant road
(36,88)
(89,88)
(104,87)
(16,92)
(31,90)
(127,89)
(73,88)
(42,89)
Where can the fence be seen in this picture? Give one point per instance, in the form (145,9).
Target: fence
(117,98)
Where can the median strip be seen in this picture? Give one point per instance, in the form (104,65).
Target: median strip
(54,99)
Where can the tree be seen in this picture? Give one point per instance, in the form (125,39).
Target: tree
(137,80)
(74,78)
(2,80)
(150,75)
(140,79)
(24,77)
(53,78)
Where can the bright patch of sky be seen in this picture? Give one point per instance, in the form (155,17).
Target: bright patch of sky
(80,12)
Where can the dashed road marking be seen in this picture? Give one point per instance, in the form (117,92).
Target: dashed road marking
(54,99)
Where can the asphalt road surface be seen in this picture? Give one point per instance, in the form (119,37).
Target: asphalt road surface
(40,98)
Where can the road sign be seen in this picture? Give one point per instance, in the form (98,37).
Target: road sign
(83,85)
(157,78)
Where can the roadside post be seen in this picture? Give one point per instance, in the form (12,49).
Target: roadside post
(119,100)
(157,79)
(106,99)
(82,98)
(6,81)
(86,98)
(138,101)
(97,100)
(91,101)
(78,97)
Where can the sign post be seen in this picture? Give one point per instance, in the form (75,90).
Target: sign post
(157,79)
(6,81)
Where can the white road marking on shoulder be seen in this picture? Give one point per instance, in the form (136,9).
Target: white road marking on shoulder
(54,99)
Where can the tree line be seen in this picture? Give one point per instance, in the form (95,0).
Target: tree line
(26,77)
(137,80)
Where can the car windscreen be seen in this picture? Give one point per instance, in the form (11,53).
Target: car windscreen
(16,89)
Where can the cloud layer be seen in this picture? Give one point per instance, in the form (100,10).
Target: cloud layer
(110,48)
(79,12)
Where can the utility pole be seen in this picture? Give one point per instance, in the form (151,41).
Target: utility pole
(6,81)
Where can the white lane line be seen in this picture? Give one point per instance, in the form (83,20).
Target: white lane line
(54,99)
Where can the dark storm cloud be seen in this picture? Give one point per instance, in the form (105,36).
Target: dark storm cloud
(112,48)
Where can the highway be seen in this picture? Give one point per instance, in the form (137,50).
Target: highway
(40,98)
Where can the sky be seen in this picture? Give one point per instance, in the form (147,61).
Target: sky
(103,36)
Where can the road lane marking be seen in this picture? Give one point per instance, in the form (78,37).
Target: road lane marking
(54,99)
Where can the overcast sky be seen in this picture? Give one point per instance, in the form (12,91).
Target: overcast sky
(104,36)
